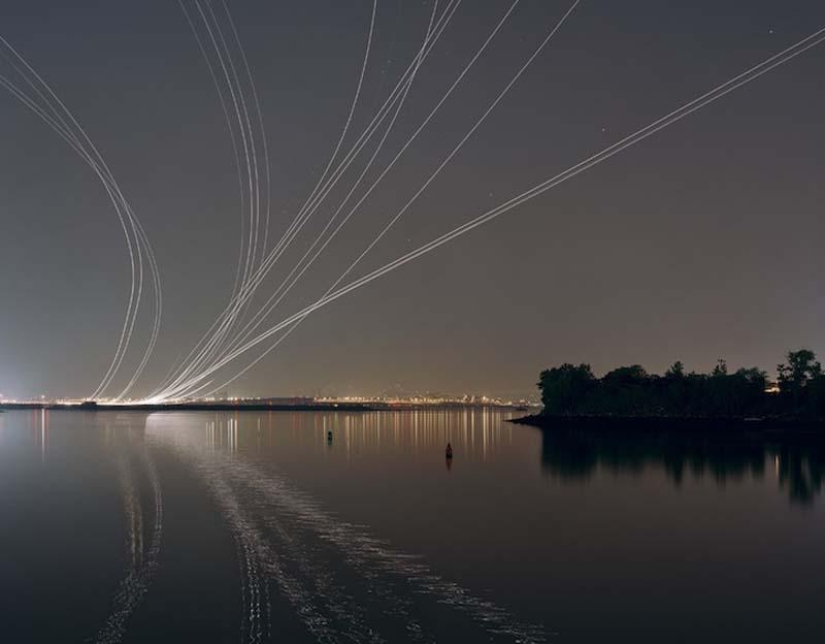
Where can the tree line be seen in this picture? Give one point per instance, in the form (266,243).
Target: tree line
(570,390)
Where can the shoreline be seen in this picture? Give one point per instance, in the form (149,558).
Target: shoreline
(243,407)
(664,424)
(86,407)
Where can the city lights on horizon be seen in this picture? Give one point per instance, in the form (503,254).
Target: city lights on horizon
(412,400)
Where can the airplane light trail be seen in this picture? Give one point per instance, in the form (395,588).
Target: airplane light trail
(54,113)
(249,247)
(395,99)
(340,192)
(640,135)
(283,289)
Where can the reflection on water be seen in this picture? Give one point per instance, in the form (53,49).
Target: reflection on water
(313,558)
(347,527)
(799,466)
(480,433)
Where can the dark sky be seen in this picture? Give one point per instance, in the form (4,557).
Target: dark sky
(703,242)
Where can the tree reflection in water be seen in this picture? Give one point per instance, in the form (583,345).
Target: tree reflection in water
(799,462)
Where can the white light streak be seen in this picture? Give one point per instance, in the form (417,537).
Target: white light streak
(640,135)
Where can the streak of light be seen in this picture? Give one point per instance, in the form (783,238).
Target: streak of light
(226,321)
(640,135)
(432,177)
(309,208)
(55,114)
(283,289)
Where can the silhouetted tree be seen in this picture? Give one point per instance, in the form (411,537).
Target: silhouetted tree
(721,369)
(816,389)
(800,382)
(749,391)
(564,389)
(631,391)
(802,366)
(627,391)
(675,387)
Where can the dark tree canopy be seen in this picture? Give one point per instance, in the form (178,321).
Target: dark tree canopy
(571,390)
(563,386)
(802,384)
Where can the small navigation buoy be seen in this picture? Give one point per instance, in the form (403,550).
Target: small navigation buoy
(449,451)
(329,436)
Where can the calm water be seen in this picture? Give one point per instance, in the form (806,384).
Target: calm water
(254,528)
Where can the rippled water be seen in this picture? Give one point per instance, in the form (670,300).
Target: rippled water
(259,527)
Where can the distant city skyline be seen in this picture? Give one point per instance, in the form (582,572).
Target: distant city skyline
(701,243)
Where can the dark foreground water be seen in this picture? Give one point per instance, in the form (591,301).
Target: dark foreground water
(199,527)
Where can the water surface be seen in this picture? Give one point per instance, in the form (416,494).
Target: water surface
(258,527)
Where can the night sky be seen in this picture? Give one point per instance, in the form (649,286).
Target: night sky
(703,242)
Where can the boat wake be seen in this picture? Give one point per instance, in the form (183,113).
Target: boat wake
(341,582)
(144,530)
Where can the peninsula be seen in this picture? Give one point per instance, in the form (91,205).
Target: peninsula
(631,398)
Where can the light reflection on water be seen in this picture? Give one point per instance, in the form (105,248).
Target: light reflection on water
(276,526)
(479,434)
(353,527)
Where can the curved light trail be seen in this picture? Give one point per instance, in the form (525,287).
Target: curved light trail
(48,107)
(640,135)
(240,329)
